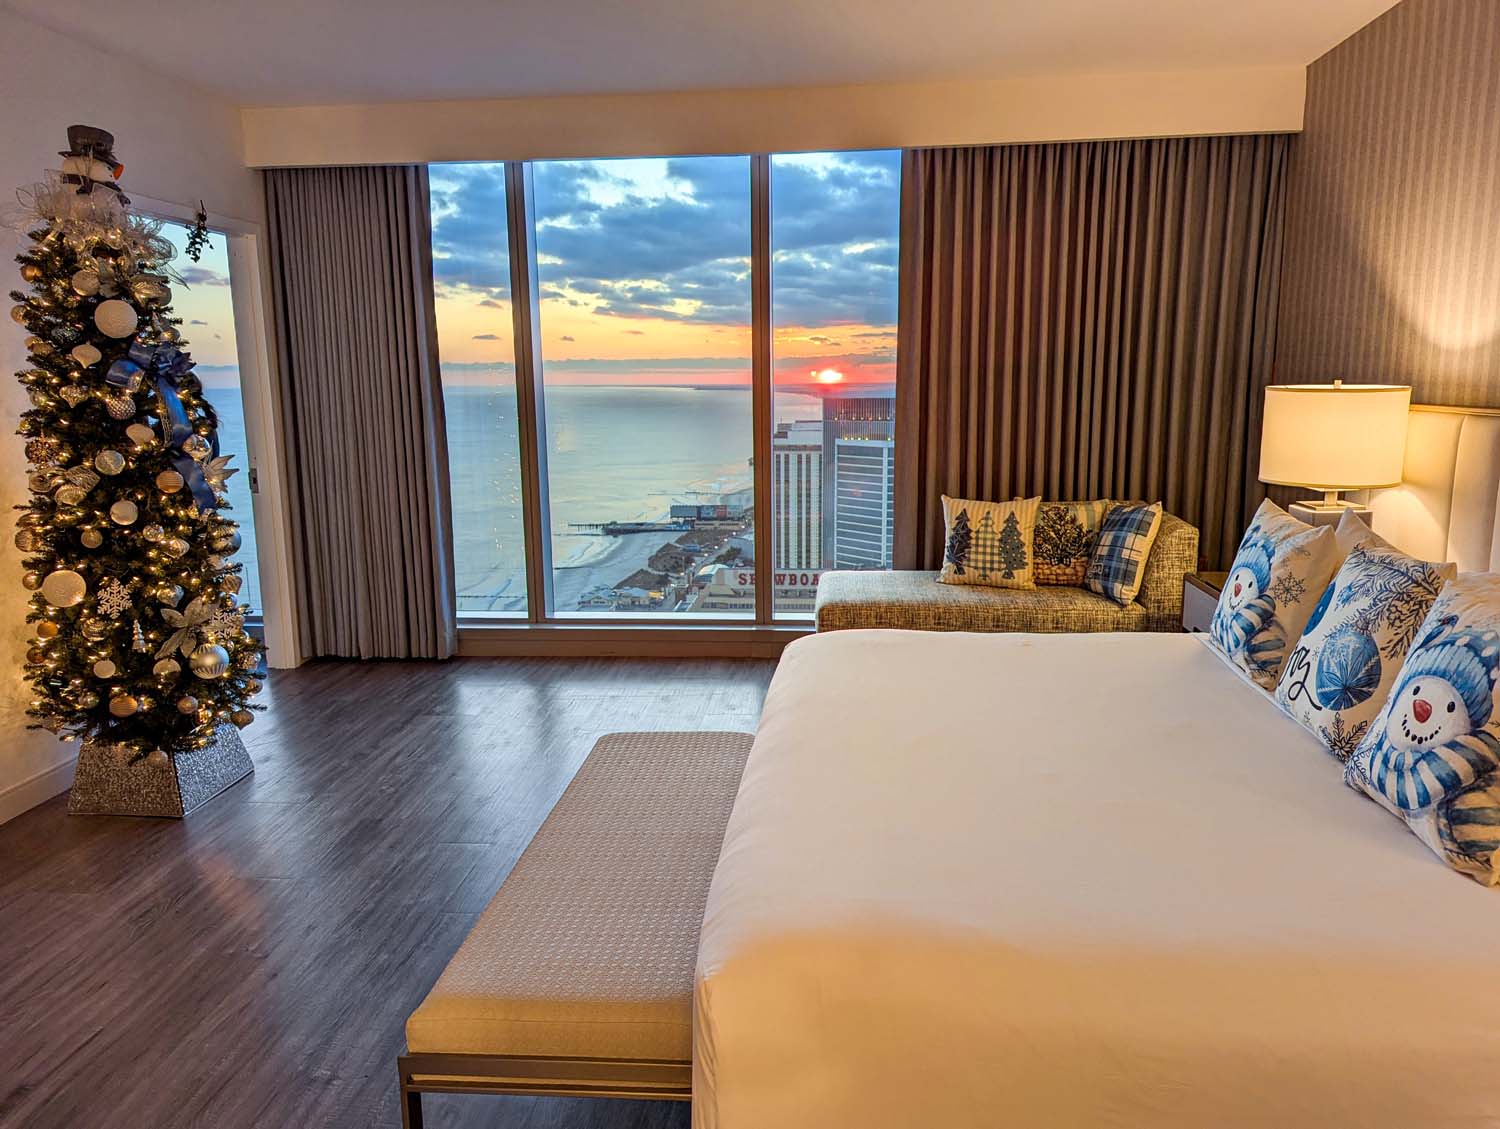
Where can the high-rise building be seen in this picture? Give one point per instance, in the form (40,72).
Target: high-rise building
(797,495)
(864,475)
(860,479)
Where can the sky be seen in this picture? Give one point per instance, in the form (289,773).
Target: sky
(202,300)
(643,267)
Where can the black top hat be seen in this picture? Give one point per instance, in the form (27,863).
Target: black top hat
(90,141)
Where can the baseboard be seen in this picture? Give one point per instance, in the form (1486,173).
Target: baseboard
(38,789)
(560,640)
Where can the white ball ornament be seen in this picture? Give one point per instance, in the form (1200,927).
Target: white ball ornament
(123,512)
(169,482)
(166,668)
(209,661)
(85,282)
(64,588)
(86,354)
(141,434)
(104,668)
(116,318)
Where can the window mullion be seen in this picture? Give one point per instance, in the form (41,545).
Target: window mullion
(760,377)
(530,404)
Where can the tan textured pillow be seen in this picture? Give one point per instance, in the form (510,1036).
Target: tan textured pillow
(1066,533)
(989,542)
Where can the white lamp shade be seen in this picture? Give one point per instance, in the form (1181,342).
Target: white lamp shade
(1334,436)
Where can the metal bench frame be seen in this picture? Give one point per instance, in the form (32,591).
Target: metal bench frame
(649,1079)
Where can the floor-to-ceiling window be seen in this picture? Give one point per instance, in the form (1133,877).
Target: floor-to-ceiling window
(643,268)
(835,221)
(205,303)
(471,281)
(640,347)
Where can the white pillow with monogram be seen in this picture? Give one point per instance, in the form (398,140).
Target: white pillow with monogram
(1340,673)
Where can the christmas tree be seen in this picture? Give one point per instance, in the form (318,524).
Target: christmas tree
(139,636)
(1012,548)
(956,552)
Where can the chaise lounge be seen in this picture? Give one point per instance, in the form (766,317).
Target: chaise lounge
(915,601)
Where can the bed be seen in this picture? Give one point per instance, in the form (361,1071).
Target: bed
(1060,880)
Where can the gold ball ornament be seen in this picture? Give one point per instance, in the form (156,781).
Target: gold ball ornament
(166,668)
(29,540)
(109,462)
(123,705)
(91,538)
(39,347)
(153,532)
(124,512)
(119,405)
(41,481)
(105,668)
(176,547)
(36,656)
(252,686)
(197,447)
(116,318)
(142,435)
(31,272)
(242,718)
(232,582)
(169,482)
(18,314)
(158,759)
(64,588)
(147,289)
(187,704)
(93,629)
(170,335)
(170,594)
(70,495)
(86,354)
(209,661)
(31,581)
(46,629)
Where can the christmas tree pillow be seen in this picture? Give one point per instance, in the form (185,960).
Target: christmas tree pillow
(1066,533)
(1433,754)
(989,542)
(1118,563)
(1279,574)
(1342,669)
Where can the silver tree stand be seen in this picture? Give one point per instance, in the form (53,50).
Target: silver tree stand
(107,783)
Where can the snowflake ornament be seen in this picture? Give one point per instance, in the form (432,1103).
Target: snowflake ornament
(226,622)
(113,598)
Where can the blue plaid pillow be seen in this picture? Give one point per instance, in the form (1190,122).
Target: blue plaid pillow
(1119,560)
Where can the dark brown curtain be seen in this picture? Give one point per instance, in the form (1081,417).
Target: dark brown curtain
(362,411)
(1087,320)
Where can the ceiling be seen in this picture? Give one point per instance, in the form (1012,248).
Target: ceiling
(309,52)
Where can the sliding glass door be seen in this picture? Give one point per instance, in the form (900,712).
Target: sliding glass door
(634,381)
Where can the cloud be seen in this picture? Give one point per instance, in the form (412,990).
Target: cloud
(486,337)
(197,321)
(203,276)
(671,239)
(567,337)
(635,332)
(493,303)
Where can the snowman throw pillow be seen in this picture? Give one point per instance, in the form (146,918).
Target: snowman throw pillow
(1279,574)
(1342,669)
(1433,755)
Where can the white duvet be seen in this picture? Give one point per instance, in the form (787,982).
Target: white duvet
(1075,880)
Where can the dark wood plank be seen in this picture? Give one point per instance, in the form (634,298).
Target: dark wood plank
(254,965)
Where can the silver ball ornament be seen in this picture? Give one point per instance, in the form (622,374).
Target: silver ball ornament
(167,668)
(209,661)
(187,704)
(105,668)
(116,318)
(123,512)
(109,462)
(91,538)
(157,759)
(64,588)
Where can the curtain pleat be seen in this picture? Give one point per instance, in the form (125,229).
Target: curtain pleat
(362,411)
(1087,320)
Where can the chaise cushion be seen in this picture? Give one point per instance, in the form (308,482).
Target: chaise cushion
(916,602)
(588,949)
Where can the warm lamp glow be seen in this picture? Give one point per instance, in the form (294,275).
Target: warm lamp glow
(1333,437)
(828,376)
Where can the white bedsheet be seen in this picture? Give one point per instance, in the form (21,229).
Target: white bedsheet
(1068,880)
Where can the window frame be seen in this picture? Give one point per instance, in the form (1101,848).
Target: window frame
(642,632)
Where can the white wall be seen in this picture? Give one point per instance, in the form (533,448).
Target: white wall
(178,144)
(1042,108)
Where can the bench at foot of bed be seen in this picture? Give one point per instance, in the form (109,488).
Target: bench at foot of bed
(577,979)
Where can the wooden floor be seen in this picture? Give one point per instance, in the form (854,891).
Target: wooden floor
(254,964)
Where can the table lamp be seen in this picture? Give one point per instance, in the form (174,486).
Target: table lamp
(1333,437)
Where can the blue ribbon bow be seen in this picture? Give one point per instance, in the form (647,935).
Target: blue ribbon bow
(168,364)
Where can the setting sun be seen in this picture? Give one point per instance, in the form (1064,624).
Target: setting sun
(828,376)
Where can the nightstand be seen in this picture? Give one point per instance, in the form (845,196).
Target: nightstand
(1200,595)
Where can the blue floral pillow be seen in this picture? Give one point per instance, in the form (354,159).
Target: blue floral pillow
(1433,755)
(1278,576)
(1342,669)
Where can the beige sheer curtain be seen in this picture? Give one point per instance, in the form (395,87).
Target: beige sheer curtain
(362,411)
(1087,320)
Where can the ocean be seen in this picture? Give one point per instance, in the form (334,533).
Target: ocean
(614,453)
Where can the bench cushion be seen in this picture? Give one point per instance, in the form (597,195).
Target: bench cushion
(589,947)
(916,601)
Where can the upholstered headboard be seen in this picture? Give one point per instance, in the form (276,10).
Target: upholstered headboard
(1447,507)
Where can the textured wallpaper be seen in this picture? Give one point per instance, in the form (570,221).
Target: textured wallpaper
(1392,265)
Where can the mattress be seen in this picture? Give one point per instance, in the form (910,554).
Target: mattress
(1054,880)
